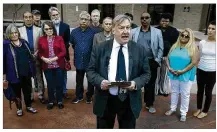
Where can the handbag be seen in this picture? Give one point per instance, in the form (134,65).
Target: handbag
(10,95)
(67,65)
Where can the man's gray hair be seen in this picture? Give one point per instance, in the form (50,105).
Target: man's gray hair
(11,28)
(53,9)
(85,13)
(95,10)
(119,19)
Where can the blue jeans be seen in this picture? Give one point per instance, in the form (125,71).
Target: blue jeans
(55,82)
(65,82)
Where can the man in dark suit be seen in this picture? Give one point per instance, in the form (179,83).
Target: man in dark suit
(118,60)
(64,31)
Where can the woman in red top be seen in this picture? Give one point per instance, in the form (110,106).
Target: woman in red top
(52,51)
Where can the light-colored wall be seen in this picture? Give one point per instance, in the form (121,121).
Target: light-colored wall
(187,19)
(135,9)
(9,9)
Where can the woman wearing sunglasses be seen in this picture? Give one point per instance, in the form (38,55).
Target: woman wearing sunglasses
(52,52)
(206,71)
(181,62)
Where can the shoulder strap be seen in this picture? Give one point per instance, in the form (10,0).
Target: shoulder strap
(15,60)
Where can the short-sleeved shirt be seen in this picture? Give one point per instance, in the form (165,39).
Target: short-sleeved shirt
(82,42)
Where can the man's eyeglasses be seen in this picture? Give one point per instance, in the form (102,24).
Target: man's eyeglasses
(46,29)
(142,18)
(185,36)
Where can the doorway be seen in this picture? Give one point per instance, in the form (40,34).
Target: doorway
(106,10)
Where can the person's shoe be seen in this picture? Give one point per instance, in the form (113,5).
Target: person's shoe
(183,118)
(60,106)
(31,110)
(169,112)
(196,113)
(50,106)
(76,100)
(202,115)
(88,101)
(19,112)
(65,96)
(43,101)
(151,109)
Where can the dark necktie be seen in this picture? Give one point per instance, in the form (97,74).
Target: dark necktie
(121,73)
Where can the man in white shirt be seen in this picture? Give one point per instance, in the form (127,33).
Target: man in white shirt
(118,60)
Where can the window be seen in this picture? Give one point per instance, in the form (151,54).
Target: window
(43,8)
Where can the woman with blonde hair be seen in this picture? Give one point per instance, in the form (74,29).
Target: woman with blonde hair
(181,62)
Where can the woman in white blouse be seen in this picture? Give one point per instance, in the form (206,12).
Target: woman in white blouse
(206,72)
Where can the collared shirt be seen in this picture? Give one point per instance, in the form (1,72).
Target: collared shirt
(82,42)
(112,67)
(97,28)
(144,39)
(57,26)
(29,31)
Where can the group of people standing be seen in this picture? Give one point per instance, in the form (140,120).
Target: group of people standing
(115,50)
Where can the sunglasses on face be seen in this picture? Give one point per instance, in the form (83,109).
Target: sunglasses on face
(46,29)
(185,36)
(142,18)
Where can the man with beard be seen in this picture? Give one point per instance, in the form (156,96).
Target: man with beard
(64,31)
(95,17)
(151,39)
(82,41)
(37,18)
(106,34)
(116,60)
(31,34)
(170,36)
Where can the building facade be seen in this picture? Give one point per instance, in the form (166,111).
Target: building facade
(194,16)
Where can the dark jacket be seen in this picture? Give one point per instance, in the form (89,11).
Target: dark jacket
(98,71)
(9,66)
(64,32)
(170,36)
(59,50)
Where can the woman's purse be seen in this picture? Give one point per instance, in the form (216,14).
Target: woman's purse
(67,65)
(10,95)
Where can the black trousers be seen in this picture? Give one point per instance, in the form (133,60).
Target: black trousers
(26,86)
(126,119)
(149,93)
(205,82)
(80,87)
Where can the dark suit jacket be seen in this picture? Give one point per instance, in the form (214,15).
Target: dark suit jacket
(100,37)
(98,71)
(64,31)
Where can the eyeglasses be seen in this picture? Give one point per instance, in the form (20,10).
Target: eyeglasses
(85,19)
(142,18)
(46,29)
(185,36)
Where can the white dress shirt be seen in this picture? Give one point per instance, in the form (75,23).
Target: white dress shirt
(57,26)
(112,67)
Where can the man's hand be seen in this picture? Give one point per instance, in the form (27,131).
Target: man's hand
(131,87)
(105,84)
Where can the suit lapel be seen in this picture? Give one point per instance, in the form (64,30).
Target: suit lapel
(137,34)
(152,36)
(60,29)
(34,37)
(108,51)
(130,59)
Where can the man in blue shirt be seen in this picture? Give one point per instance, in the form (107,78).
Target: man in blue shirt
(82,40)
